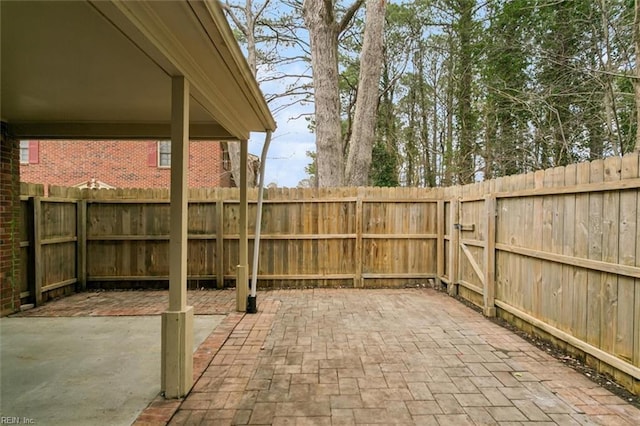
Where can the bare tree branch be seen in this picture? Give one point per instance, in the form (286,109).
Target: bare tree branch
(348,15)
(229,9)
(261,10)
(304,114)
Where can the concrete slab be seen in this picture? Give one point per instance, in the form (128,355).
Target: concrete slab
(83,370)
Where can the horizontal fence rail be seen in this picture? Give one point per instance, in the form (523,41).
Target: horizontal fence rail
(557,249)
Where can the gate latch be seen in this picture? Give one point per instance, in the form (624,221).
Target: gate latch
(462,227)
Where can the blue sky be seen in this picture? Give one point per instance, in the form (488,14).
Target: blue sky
(287,157)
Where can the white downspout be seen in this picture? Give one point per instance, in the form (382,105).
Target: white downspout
(256,244)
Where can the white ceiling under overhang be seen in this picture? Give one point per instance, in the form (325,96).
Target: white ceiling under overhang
(102,70)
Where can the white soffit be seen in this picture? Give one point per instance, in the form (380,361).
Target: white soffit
(78,69)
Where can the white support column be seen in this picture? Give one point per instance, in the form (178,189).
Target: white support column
(177,322)
(242,281)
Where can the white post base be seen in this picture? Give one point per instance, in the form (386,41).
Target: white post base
(177,352)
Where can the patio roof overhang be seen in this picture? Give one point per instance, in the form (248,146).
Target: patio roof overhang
(114,69)
(102,70)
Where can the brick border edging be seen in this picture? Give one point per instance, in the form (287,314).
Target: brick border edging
(161,410)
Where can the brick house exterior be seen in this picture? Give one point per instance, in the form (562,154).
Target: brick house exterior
(9,224)
(120,164)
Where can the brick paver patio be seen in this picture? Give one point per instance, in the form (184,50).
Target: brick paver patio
(134,302)
(344,357)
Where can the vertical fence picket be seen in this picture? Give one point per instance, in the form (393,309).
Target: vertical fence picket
(454,247)
(37,251)
(490,257)
(81,256)
(440,260)
(219,267)
(358,255)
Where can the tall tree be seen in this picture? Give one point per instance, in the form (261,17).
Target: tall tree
(505,80)
(320,17)
(363,137)
(464,27)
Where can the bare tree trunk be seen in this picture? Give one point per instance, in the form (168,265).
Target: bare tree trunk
(465,163)
(449,153)
(323,36)
(636,84)
(251,37)
(361,144)
(253,165)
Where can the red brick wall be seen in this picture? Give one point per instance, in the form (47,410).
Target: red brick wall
(122,164)
(9,224)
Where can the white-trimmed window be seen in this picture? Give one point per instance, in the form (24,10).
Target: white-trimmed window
(24,152)
(29,152)
(164,154)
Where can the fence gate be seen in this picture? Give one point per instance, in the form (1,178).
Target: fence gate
(472,225)
(49,248)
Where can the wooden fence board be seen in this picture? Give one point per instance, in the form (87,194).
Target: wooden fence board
(58,263)
(610,239)
(522,292)
(440,245)
(536,243)
(504,234)
(566,296)
(624,336)
(509,225)
(58,219)
(557,244)
(454,248)
(594,279)
(528,284)
(26,246)
(37,263)
(490,257)
(548,269)
(581,250)
(201,218)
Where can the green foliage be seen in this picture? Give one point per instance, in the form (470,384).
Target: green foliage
(509,86)
(311,169)
(383,167)
(627,115)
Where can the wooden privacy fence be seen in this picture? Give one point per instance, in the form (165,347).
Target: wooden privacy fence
(557,249)
(310,237)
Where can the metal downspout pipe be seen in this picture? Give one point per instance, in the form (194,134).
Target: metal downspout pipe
(252,306)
